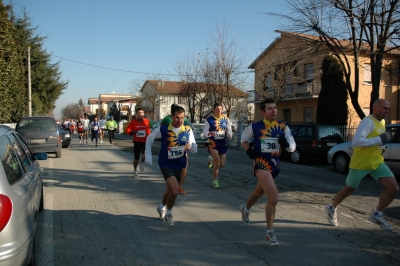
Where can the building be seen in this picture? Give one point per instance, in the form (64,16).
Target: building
(159,95)
(289,70)
(103,104)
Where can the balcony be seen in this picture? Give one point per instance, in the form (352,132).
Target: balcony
(291,91)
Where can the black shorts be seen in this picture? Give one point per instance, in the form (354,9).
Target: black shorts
(168,172)
(138,147)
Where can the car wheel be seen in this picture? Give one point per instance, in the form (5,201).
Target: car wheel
(341,162)
(296,157)
(41,205)
(58,154)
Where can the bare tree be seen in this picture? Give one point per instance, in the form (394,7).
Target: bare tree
(351,29)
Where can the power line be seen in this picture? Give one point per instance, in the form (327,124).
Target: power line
(135,72)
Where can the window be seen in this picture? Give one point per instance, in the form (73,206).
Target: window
(367,74)
(268,80)
(309,72)
(308,114)
(9,160)
(286,115)
(23,158)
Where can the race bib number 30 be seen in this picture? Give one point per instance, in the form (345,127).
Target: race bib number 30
(141,134)
(176,152)
(269,145)
(219,135)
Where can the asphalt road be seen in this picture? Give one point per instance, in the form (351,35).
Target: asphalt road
(96,213)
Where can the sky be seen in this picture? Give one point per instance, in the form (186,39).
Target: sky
(105,46)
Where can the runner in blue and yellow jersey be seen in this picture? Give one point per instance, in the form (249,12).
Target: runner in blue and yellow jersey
(270,136)
(369,145)
(176,139)
(218,128)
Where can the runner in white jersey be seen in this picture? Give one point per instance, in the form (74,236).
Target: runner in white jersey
(86,123)
(102,125)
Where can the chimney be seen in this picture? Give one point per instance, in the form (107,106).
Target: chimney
(160,83)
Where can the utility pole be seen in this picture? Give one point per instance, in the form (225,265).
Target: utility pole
(29,83)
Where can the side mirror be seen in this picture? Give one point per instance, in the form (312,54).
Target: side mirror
(41,156)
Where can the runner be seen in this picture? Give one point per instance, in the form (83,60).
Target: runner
(270,136)
(218,128)
(140,129)
(80,129)
(102,124)
(72,126)
(95,130)
(369,144)
(166,121)
(176,139)
(111,125)
(86,123)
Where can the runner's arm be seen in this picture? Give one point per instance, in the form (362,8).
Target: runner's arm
(149,142)
(192,142)
(206,128)
(290,140)
(247,135)
(360,139)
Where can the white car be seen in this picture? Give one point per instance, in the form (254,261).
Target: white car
(340,154)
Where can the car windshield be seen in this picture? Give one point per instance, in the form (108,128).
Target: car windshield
(198,127)
(329,132)
(36,125)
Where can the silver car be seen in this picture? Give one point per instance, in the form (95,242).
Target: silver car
(197,129)
(340,154)
(21,198)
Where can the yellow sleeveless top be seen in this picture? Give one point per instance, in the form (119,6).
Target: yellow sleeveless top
(369,158)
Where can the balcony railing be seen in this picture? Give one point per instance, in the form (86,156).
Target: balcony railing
(291,91)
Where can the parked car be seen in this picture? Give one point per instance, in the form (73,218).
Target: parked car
(21,198)
(312,141)
(65,138)
(41,133)
(340,155)
(197,129)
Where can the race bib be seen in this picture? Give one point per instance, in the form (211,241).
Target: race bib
(95,127)
(176,152)
(80,126)
(141,133)
(219,135)
(269,145)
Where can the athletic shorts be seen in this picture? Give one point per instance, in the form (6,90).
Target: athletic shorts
(221,147)
(267,165)
(355,176)
(138,147)
(86,129)
(80,130)
(168,172)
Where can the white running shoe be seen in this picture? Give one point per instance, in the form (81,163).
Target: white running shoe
(271,239)
(135,174)
(379,220)
(162,213)
(331,215)
(141,163)
(169,220)
(245,215)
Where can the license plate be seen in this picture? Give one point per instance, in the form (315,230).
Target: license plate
(330,144)
(38,141)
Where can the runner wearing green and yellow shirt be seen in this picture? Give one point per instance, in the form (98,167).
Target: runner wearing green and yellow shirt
(111,125)
(168,120)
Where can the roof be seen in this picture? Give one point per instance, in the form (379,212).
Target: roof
(175,87)
(93,101)
(105,98)
(307,37)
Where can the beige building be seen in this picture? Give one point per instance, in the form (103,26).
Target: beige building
(289,70)
(103,103)
(159,95)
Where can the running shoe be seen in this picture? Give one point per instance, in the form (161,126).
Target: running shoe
(182,191)
(210,162)
(271,239)
(96,145)
(331,215)
(379,220)
(169,220)
(161,212)
(101,141)
(111,144)
(141,163)
(245,215)
(135,174)
(215,184)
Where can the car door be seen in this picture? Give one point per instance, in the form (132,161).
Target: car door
(392,153)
